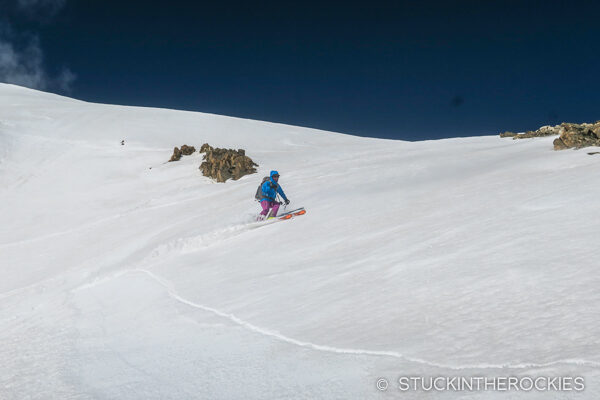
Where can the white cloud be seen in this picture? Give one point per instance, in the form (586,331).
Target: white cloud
(46,8)
(22,58)
(22,67)
(64,80)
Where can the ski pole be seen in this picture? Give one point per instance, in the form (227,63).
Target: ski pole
(280,202)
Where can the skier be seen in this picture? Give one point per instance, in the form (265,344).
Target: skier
(270,188)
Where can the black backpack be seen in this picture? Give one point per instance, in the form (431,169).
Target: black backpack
(259,193)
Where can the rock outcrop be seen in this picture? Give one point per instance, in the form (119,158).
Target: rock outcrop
(508,134)
(546,130)
(572,136)
(577,136)
(223,164)
(205,147)
(184,151)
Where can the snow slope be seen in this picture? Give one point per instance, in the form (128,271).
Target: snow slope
(467,256)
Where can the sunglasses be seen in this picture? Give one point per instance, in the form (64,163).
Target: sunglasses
(275,176)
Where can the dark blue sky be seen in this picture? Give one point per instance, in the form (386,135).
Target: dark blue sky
(406,70)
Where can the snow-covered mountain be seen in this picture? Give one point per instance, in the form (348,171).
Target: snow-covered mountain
(459,257)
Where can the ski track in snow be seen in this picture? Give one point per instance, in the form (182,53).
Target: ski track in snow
(85,227)
(197,242)
(330,349)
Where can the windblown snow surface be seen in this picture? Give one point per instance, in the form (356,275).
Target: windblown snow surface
(124,277)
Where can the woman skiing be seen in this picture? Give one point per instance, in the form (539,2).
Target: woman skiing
(270,188)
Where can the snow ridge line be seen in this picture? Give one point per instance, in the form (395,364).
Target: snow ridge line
(330,349)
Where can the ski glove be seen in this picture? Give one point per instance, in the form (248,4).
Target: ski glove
(287,202)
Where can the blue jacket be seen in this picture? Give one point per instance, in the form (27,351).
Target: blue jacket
(270,189)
